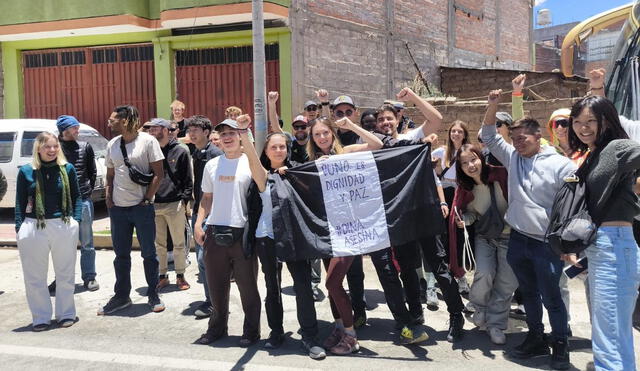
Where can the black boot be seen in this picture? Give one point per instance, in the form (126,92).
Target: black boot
(456,324)
(560,355)
(534,345)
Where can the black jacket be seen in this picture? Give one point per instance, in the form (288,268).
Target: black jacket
(177,183)
(82,157)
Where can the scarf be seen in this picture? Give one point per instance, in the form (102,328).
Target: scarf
(66,194)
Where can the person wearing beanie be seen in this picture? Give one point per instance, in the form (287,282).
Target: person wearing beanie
(82,157)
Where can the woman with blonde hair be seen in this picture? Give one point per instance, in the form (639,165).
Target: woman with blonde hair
(47,213)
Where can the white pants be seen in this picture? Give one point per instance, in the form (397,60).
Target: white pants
(34,246)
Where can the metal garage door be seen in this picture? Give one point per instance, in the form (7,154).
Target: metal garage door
(89,82)
(210,80)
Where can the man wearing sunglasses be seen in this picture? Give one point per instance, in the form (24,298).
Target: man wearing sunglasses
(343,106)
(311,110)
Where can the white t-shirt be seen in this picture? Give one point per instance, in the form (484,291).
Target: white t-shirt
(449,178)
(228,180)
(413,134)
(265,224)
(142,151)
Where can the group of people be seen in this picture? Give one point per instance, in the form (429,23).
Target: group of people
(167,176)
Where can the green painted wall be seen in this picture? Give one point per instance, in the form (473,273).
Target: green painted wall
(32,11)
(165,45)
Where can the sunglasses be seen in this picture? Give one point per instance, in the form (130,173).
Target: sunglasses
(561,122)
(173,129)
(311,108)
(500,123)
(340,114)
(299,127)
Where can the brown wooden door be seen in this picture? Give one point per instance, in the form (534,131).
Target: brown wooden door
(210,80)
(89,82)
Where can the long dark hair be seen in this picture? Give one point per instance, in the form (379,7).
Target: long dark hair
(264,159)
(451,148)
(609,127)
(463,180)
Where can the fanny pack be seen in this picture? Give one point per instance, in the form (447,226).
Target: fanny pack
(137,176)
(226,236)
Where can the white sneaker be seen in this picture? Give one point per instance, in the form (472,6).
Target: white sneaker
(497,336)
(479,318)
(432,298)
(463,286)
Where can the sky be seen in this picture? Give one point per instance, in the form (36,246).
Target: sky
(566,11)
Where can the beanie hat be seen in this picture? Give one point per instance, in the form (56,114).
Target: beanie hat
(65,122)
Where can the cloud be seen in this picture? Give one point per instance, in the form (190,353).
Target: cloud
(540,2)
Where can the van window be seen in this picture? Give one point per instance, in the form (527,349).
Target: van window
(97,141)
(6,146)
(26,147)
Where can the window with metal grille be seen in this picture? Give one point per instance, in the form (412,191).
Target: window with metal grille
(104,56)
(71,58)
(136,53)
(238,54)
(41,60)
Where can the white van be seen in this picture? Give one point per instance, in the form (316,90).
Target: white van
(16,147)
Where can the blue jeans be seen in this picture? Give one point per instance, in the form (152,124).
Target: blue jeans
(87,252)
(202,275)
(614,276)
(538,272)
(123,220)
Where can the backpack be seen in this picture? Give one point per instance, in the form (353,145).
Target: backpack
(571,227)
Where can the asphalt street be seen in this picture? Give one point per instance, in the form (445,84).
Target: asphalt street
(138,338)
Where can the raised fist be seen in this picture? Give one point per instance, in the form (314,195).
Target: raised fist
(322,95)
(518,83)
(344,123)
(596,78)
(405,95)
(243,121)
(273,97)
(494,96)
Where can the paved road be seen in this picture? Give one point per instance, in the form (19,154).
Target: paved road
(152,341)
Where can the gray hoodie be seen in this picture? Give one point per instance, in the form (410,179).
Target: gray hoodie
(533,183)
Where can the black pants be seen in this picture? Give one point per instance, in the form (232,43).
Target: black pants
(408,256)
(355,279)
(301,274)
(393,291)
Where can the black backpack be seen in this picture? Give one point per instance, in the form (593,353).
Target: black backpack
(571,227)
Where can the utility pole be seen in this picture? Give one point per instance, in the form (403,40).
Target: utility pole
(259,78)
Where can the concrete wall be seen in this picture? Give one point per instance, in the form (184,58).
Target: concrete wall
(469,83)
(358,47)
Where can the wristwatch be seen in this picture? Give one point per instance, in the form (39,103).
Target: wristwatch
(147,202)
(324,103)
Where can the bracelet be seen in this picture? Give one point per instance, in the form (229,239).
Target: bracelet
(444,204)
(242,130)
(517,94)
(324,103)
(602,87)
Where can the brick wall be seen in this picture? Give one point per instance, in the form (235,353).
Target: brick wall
(358,47)
(473,113)
(468,83)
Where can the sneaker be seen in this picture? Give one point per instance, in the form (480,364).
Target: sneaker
(156,304)
(67,322)
(115,304)
(479,318)
(333,339)
(40,327)
(52,288)
(275,340)
(359,320)
(314,350)
(470,308)
(520,310)
(182,283)
(204,310)
(456,327)
(432,298)
(560,355)
(209,337)
(347,345)
(463,286)
(408,336)
(318,295)
(497,336)
(162,283)
(91,285)
(533,345)
(247,341)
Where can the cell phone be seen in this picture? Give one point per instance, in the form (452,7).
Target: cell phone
(572,271)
